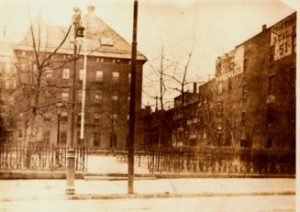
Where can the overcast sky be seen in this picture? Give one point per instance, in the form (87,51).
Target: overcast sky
(212,27)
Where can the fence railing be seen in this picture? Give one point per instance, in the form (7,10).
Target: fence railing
(39,158)
(226,161)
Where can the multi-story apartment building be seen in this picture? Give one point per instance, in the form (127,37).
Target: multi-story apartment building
(256,89)
(248,109)
(38,86)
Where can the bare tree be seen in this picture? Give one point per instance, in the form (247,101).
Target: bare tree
(32,84)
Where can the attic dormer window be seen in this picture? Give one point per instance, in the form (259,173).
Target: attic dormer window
(107,41)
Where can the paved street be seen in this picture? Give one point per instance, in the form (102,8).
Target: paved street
(241,203)
(225,195)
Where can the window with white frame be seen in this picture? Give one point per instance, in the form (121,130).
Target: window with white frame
(115,76)
(64,116)
(99,75)
(65,96)
(66,73)
(81,74)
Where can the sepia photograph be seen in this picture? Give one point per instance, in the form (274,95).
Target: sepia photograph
(148,105)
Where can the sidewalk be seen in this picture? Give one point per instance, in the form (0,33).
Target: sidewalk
(13,190)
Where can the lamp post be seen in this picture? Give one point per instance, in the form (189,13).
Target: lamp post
(58,111)
(78,32)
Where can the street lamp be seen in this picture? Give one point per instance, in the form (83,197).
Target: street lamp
(58,111)
(78,32)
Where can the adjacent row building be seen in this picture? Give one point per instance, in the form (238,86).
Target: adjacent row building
(249,106)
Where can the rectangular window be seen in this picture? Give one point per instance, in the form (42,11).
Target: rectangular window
(271,84)
(113,140)
(115,97)
(243,118)
(114,116)
(49,73)
(65,96)
(7,85)
(46,137)
(270,115)
(81,74)
(20,134)
(115,76)
(14,84)
(107,41)
(47,116)
(97,139)
(229,84)
(79,117)
(269,143)
(129,77)
(244,90)
(245,65)
(78,138)
(66,73)
(64,116)
(79,95)
(96,117)
(272,53)
(63,137)
(220,88)
(23,67)
(98,96)
(99,75)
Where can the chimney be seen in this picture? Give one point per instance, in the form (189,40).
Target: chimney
(194,87)
(264,27)
(91,9)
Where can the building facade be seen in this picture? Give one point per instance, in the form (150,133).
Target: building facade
(41,82)
(246,114)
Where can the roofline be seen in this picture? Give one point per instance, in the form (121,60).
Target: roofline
(112,54)
(268,28)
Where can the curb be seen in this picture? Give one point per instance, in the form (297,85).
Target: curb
(11,175)
(170,195)
(187,175)
(29,175)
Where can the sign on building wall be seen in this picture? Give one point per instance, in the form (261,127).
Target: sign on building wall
(282,38)
(231,64)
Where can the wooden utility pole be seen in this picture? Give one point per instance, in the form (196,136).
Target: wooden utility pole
(132,102)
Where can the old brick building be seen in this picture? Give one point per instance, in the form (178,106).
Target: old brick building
(44,92)
(256,89)
(246,114)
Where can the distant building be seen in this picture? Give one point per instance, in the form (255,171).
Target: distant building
(107,90)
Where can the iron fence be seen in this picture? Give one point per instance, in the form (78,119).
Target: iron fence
(209,160)
(39,158)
